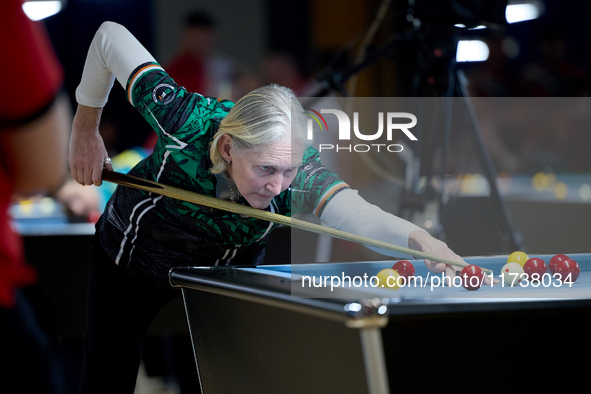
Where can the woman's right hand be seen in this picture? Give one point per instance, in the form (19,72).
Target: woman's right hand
(87,149)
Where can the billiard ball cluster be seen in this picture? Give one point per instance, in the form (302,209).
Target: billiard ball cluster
(535,268)
(519,263)
(473,276)
(401,268)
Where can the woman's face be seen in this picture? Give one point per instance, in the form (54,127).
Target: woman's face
(261,175)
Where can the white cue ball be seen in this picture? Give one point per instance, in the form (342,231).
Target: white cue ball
(508,273)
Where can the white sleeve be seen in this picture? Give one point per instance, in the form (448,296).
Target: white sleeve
(113,53)
(347,211)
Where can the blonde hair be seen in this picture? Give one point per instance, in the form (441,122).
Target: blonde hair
(258,119)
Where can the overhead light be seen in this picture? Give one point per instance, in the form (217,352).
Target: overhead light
(523,11)
(472,51)
(462,26)
(517,11)
(37,10)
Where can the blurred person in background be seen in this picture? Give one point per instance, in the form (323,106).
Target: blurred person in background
(553,74)
(496,76)
(197,66)
(33,141)
(283,69)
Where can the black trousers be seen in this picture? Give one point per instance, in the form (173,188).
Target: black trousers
(120,309)
(28,357)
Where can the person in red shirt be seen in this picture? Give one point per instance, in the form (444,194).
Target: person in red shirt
(33,142)
(197,66)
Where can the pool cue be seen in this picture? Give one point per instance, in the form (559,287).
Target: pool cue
(199,199)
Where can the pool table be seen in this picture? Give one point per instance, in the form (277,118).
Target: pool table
(258,330)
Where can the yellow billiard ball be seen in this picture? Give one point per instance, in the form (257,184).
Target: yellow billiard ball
(518,257)
(383,276)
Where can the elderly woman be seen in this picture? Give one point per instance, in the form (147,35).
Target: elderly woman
(140,236)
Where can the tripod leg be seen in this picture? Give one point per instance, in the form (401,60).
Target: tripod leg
(447,122)
(510,239)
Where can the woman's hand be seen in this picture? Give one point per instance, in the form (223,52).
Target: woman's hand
(87,149)
(423,242)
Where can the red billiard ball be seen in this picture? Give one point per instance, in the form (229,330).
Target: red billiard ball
(472,277)
(535,266)
(404,268)
(555,260)
(566,267)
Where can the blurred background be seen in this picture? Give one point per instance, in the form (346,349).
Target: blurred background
(511,170)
